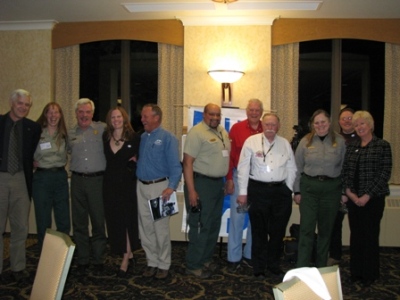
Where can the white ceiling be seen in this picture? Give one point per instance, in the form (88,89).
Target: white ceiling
(108,10)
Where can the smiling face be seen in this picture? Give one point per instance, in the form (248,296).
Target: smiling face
(117,120)
(149,119)
(20,108)
(53,116)
(253,112)
(363,128)
(212,115)
(321,124)
(346,122)
(84,115)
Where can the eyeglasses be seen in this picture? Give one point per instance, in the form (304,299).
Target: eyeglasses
(347,118)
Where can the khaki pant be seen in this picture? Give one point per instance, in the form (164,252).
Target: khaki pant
(154,235)
(14,205)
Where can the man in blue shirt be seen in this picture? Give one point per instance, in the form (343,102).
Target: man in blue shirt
(158,171)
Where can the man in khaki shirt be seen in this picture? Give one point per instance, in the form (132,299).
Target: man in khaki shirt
(205,163)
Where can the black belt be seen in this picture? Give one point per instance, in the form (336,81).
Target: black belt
(195,174)
(153,181)
(319,177)
(51,169)
(268,183)
(87,175)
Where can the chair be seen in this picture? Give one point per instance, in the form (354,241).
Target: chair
(53,267)
(295,289)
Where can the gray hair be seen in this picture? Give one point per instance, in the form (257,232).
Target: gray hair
(15,95)
(257,101)
(84,101)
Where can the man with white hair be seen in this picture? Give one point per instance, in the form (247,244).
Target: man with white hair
(266,174)
(87,166)
(19,137)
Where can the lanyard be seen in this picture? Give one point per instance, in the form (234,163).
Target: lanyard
(269,149)
(220,136)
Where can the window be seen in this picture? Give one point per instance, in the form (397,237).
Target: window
(126,70)
(353,70)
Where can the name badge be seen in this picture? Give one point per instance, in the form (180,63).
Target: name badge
(225,153)
(265,169)
(44,146)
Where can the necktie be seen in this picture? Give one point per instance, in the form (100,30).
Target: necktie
(13,151)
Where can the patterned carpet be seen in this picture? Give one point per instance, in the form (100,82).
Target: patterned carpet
(222,285)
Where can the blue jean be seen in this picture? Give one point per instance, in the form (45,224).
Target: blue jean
(236,226)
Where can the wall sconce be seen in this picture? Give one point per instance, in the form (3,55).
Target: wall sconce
(226,77)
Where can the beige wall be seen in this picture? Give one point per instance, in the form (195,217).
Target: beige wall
(247,48)
(25,60)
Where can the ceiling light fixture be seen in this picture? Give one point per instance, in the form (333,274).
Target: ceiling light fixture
(224,1)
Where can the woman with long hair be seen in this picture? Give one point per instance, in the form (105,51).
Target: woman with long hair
(121,147)
(318,187)
(50,189)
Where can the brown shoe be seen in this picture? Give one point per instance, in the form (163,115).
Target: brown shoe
(161,274)
(149,271)
(200,273)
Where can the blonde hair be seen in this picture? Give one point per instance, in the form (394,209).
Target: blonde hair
(311,135)
(365,115)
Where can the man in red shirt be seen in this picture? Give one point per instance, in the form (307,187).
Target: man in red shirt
(238,134)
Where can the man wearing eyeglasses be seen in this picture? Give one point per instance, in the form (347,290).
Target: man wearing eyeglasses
(266,174)
(349,134)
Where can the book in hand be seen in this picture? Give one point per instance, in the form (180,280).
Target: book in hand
(160,209)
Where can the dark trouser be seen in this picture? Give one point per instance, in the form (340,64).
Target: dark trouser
(335,249)
(204,225)
(50,191)
(319,204)
(364,239)
(270,210)
(87,201)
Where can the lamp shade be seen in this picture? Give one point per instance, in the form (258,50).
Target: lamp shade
(225,76)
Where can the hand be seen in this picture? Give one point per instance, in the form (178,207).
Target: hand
(363,200)
(35,164)
(133,158)
(193,198)
(229,187)
(344,199)
(241,200)
(297,199)
(166,194)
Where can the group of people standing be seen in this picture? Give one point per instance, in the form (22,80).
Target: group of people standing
(358,175)
(110,184)
(115,171)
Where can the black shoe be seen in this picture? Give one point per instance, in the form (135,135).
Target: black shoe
(367,282)
(260,275)
(355,279)
(20,275)
(247,262)
(233,267)
(98,269)
(276,271)
(132,262)
(82,269)
(121,273)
